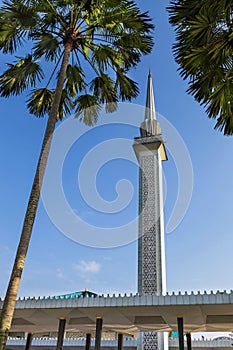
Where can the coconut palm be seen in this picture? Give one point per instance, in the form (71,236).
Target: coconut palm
(89,46)
(204,52)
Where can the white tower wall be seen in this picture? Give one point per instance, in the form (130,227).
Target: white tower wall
(150,152)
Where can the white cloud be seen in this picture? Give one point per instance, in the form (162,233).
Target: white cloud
(87,266)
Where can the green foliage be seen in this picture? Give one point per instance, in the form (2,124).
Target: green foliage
(47,46)
(127,87)
(204,52)
(108,38)
(39,101)
(104,89)
(75,80)
(20,76)
(88,109)
(15,20)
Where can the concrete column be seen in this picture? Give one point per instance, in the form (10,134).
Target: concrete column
(181,332)
(98,331)
(29,341)
(88,341)
(189,342)
(120,341)
(61,332)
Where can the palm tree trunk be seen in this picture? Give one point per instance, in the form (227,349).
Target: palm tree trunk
(13,286)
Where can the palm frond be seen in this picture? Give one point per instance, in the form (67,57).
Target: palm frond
(66,105)
(204,52)
(87,109)
(127,88)
(48,7)
(48,46)
(10,38)
(16,21)
(108,37)
(104,89)
(75,80)
(104,56)
(19,76)
(15,11)
(39,101)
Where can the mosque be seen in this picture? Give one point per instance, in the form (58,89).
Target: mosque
(84,320)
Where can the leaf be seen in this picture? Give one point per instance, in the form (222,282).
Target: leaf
(10,38)
(39,102)
(21,75)
(87,109)
(75,80)
(204,51)
(127,87)
(108,37)
(48,46)
(103,88)
(104,56)
(65,106)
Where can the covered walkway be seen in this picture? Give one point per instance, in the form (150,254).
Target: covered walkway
(126,315)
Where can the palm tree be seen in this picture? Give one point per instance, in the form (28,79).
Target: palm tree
(78,39)
(204,52)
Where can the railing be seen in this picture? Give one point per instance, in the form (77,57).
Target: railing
(128,342)
(207,343)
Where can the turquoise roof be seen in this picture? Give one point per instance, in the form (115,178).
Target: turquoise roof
(84,294)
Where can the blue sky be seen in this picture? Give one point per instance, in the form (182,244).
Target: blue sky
(198,252)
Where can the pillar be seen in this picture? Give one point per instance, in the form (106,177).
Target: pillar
(98,331)
(61,332)
(29,341)
(88,341)
(181,332)
(189,342)
(120,341)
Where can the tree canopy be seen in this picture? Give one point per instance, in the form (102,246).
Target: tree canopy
(106,35)
(204,52)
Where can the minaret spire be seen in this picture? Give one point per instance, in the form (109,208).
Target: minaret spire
(150,101)
(150,126)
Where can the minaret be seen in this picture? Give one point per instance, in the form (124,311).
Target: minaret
(150,152)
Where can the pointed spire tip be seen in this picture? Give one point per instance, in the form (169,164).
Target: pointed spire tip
(150,126)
